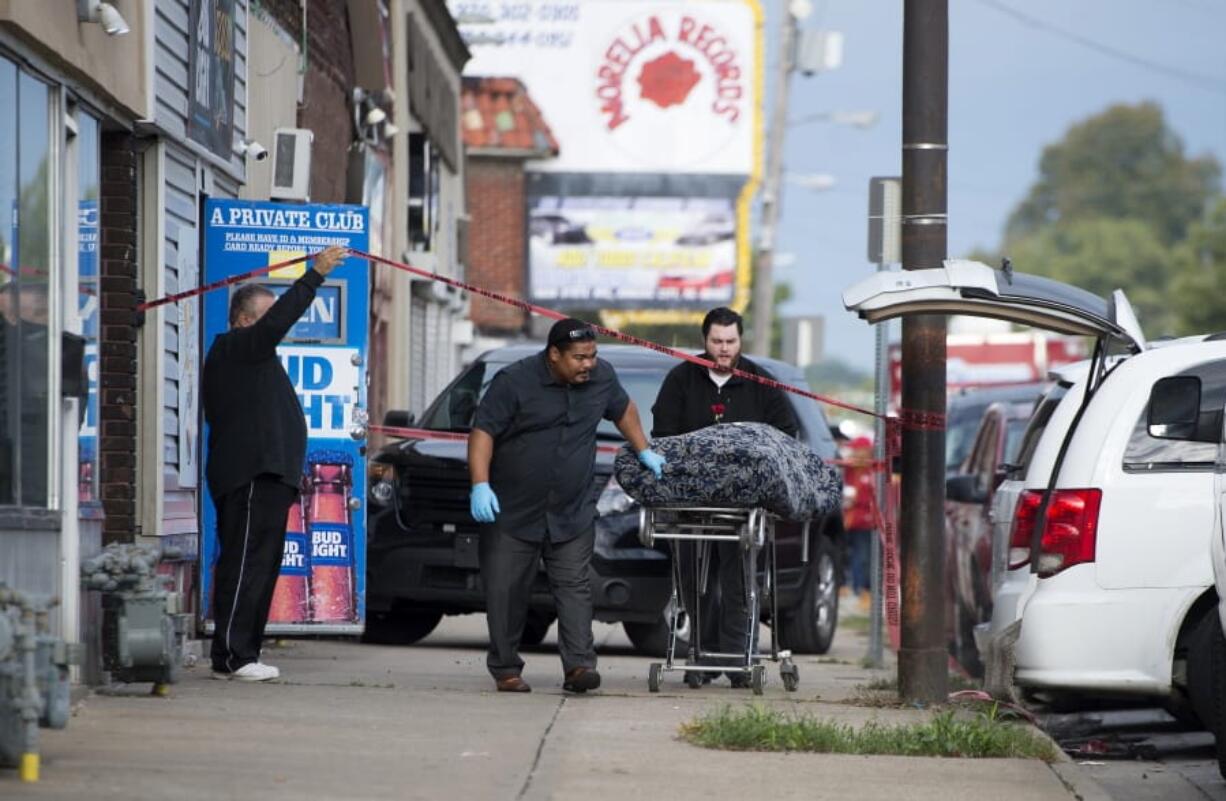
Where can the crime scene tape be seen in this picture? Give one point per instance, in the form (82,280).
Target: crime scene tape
(914,420)
(234,279)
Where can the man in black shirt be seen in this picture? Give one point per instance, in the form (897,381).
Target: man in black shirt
(694,397)
(531,457)
(257,444)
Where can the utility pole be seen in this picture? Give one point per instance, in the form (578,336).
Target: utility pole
(922,661)
(772,195)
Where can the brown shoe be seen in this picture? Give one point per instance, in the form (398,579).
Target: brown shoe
(580,680)
(512,684)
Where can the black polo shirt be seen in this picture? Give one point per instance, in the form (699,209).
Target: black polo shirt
(545,446)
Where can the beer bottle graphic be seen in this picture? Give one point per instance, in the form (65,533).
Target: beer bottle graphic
(291,598)
(332,558)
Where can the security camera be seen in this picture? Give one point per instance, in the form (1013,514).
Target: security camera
(104,14)
(251,149)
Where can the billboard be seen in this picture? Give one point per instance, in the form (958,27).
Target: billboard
(631,251)
(321,585)
(669,86)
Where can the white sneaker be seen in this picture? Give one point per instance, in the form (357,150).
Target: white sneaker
(252,671)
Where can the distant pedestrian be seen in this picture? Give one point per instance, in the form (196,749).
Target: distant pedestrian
(531,457)
(257,445)
(859,514)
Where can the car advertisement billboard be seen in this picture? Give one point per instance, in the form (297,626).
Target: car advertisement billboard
(631,251)
(321,587)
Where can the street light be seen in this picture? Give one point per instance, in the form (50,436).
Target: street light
(815,181)
(856,119)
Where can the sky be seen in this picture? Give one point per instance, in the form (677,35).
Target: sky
(1015,86)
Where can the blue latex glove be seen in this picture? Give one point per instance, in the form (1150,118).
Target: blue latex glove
(652,461)
(483,503)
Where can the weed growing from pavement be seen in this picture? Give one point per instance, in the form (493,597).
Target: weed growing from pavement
(856,623)
(946,734)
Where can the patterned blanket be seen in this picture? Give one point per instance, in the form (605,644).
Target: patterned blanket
(735,464)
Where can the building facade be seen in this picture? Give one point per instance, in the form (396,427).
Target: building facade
(110,145)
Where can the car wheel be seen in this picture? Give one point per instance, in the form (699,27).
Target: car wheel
(1217,669)
(1207,679)
(399,627)
(651,639)
(1198,695)
(536,627)
(809,627)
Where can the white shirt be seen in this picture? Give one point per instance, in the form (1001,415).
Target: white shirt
(719,378)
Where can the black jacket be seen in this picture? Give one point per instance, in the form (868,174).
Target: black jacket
(688,400)
(256,424)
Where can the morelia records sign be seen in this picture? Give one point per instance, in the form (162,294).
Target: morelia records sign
(628,86)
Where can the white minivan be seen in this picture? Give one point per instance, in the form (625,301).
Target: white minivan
(1109,579)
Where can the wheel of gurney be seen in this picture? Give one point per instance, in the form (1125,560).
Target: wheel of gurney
(757,679)
(790,676)
(693,679)
(653,677)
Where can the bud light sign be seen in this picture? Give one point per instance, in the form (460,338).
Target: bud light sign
(321,584)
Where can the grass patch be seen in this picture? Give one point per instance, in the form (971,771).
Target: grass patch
(947,734)
(855,623)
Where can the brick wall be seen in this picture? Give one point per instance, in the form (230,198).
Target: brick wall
(117,337)
(496,246)
(326,107)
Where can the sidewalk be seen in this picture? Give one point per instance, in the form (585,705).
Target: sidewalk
(352,721)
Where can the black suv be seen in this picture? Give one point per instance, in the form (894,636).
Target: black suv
(422,552)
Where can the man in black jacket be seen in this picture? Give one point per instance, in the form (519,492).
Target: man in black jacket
(694,397)
(257,444)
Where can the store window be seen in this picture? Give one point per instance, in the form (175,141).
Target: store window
(88,179)
(25,271)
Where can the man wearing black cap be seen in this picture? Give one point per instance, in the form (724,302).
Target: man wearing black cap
(531,457)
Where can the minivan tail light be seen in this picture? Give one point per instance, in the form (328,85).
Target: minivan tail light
(1069,534)
(1023,528)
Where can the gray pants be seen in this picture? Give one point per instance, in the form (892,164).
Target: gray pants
(508,567)
(724,609)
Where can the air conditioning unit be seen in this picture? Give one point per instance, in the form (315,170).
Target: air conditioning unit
(291,164)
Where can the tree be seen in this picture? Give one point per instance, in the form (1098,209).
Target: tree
(1101,255)
(1200,288)
(1124,163)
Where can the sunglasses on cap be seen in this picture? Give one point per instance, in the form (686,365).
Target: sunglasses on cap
(580,334)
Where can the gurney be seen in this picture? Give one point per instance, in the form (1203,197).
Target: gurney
(754,531)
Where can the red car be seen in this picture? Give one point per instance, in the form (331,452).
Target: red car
(968,527)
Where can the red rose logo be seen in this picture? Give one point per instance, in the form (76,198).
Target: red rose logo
(717,409)
(668,80)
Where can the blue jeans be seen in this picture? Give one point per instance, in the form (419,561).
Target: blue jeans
(859,543)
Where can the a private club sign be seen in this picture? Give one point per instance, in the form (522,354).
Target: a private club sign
(665,62)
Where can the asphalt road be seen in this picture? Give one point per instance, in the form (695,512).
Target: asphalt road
(1140,754)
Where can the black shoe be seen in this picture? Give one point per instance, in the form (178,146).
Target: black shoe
(580,680)
(739,680)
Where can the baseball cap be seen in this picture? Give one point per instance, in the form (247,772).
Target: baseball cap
(570,330)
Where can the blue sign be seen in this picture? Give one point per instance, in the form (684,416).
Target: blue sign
(322,584)
(324,321)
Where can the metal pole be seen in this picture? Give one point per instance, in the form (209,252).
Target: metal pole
(772,196)
(880,406)
(922,661)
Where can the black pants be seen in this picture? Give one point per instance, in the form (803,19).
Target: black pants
(508,567)
(251,534)
(724,608)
